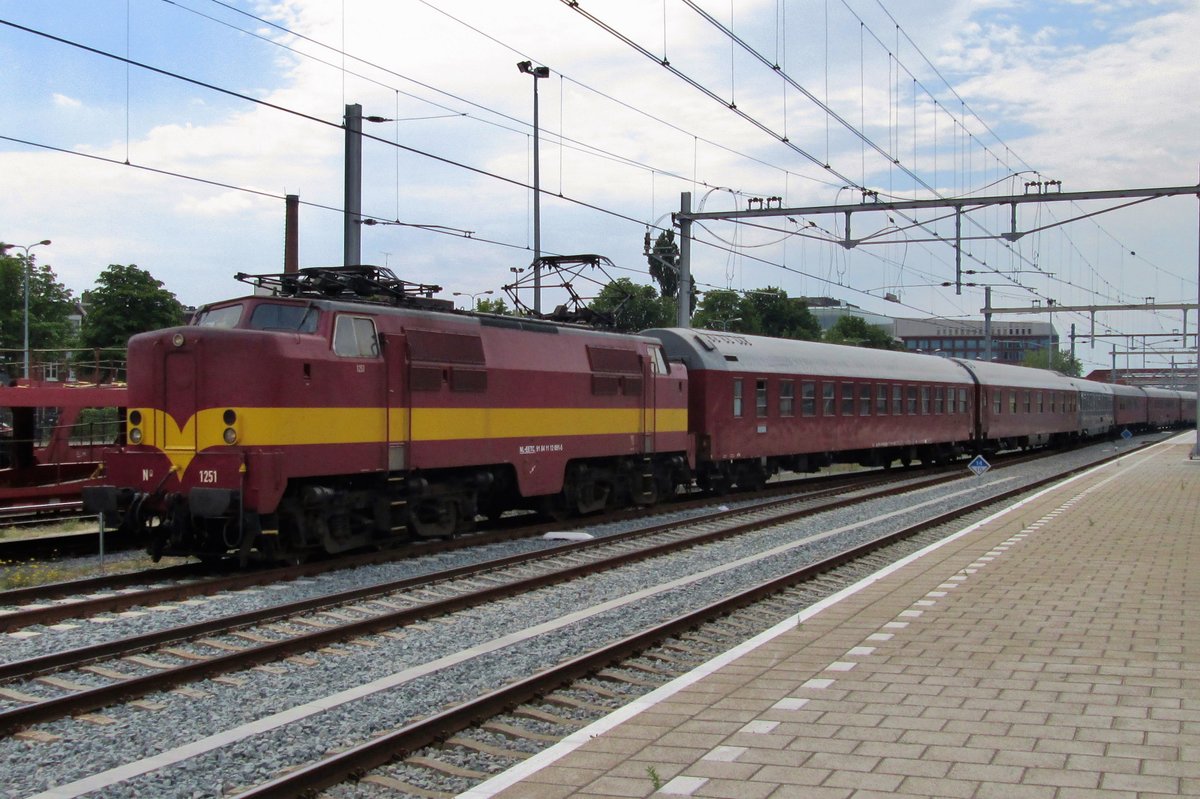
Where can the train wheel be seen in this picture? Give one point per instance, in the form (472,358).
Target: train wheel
(434,518)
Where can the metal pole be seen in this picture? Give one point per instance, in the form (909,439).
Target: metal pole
(352,253)
(987,323)
(537,206)
(683,309)
(1196,447)
(25,276)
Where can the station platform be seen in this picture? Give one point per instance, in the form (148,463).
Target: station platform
(1050,651)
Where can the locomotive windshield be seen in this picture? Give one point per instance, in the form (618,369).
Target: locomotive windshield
(292,318)
(225,316)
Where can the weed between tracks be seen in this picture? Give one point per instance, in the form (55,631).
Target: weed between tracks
(22,574)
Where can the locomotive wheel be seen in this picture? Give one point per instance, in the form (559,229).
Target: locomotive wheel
(434,518)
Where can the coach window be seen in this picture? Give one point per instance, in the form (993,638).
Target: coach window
(997,401)
(787,398)
(1028,402)
(1012,402)
(827,394)
(847,399)
(737,398)
(1041,403)
(962,400)
(939,400)
(808,398)
(881,392)
(760,397)
(864,399)
(897,400)
(354,337)
(912,401)
(924,399)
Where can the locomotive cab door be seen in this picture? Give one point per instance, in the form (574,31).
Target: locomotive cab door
(397,402)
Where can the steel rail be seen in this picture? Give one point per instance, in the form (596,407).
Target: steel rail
(366,756)
(101,696)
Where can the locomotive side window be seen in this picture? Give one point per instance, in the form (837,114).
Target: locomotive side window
(808,398)
(827,395)
(737,398)
(354,337)
(760,397)
(847,399)
(787,398)
(881,396)
(227,316)
(658,364)
(864,400)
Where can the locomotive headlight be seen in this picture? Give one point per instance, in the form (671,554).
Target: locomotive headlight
(177,339)
(135,435)
(230,436)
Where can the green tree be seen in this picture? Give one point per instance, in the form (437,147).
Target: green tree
(1063,362)
(773,313)
(126,301)
(858,332)
(496,306)
(664,263)
(719,310)
(50,308)
(632,307)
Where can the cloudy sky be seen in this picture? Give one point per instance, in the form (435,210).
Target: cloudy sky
(167,134)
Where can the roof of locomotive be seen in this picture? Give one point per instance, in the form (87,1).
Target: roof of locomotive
(449,317)
(735,352)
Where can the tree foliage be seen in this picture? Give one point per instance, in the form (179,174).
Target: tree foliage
(858,332)
(764,312)
(664,263)
(126,301)
(1063,362)
(50,308)
(496,306)
(632,306)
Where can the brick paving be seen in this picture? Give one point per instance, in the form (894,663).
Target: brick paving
(1052,652)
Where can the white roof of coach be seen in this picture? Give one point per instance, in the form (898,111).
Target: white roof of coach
(727,352)
(1003,374)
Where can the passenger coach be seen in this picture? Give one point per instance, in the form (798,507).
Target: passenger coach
(760,404)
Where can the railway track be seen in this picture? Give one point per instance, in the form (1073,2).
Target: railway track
(432,751)
(329,619)
(56,602)
(325,632)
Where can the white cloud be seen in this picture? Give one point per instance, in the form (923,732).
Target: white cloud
(63,101)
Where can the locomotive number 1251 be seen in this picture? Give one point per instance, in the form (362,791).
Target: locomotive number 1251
(208,475)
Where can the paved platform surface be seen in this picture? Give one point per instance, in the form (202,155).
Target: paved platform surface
(1050,652)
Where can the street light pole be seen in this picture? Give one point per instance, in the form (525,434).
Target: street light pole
(25,283)
(472,295)
(538,73)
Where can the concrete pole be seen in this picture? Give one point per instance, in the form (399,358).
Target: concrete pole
(537,205)
(352,253)
(683,309)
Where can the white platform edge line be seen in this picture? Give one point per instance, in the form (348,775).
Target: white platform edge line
(575,740)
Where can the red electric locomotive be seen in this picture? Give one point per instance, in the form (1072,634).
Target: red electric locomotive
(351,409)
